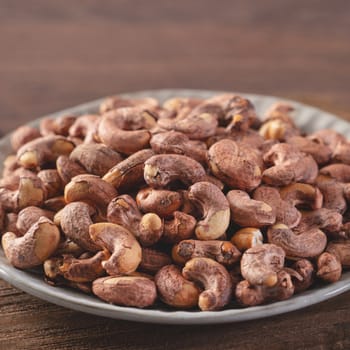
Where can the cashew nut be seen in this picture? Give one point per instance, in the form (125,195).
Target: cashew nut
(97,159)
(339,172)
(116,102)
(160,202)
(228,160)
(133,291)
(247,237)
(90,189)
(51,181)
(58,126)
(75,220)
(67,169)
(43,150)
(23,135)
(306,270)
(307,244)
(85,127)
(179,228)
(286,213)
(129,172)
(174,289)
(329,268)
(288,165)
(174,142)
(37,245)
(161,170)
(249,212)
(215,210)
(251,295)
(28,216)
(221,251)
(153,260)
(126,251)
(215,280)
(260,264)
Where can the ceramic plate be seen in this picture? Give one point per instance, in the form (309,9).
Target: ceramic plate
(308,118)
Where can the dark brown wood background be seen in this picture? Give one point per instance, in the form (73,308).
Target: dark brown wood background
(58,54)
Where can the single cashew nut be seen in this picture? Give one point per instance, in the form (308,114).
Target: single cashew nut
(329,267)
(221,251)
(28,216)
(85,127)
(91,189)
(129,172)
(75,220)
(246,238)
(153,260)
(133,291)
(37,245)
(214,278)
(174,142)
(306,270)
(174,289)
(83,270)
(229,160)
(286,213)
(161,202)
(51,181)
(302,195)
(252,295)
(67,169)
(23,135)
(307,244)
(260,264)
(43,150)
(116,102)
(126,251)
(249,212)
(214,207)
(161,170)
(179,228)
(288,165)
(97,159)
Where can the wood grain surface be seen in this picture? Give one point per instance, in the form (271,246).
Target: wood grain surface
(58,54)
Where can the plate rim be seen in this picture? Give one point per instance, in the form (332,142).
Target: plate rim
(32,284)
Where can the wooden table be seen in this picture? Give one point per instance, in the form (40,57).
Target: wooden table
(59,54)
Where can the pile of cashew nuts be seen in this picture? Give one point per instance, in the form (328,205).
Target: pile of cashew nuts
(191,203)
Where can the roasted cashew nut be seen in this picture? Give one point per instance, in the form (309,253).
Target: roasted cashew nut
(307,244)
(43,150)
(161,170)
(215,210)
(249,212)
(215,280)
(37,245)
(133,291)
(221,251)
(126,251)
(174,289)
(260,264)
(246,238)
(28,216)
(75,220)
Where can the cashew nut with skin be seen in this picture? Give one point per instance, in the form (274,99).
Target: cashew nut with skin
(67,169)
(75,220)
(215,280)
(133,291)
(260,264)
(339,172)
(129,172)
(221,251)
(126,251)
(246,238)
(116,102)
(51,181)
(307,244)
(286,213)
(85,127)
(306,270)
(126,130)
(147,228)
(251,295)
(43,150)
(83,270)
(329,268)
(288,165)
(23,135)
(174,289)
(58,126)
(161,170)
(215,210)
(302,195)
(173,142)
(161,202)
(249,212)
(28,216)
(97,159)
(91,189)
(228,160)
(153,260)
(32,249)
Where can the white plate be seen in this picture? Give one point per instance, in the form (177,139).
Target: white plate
(308,118)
